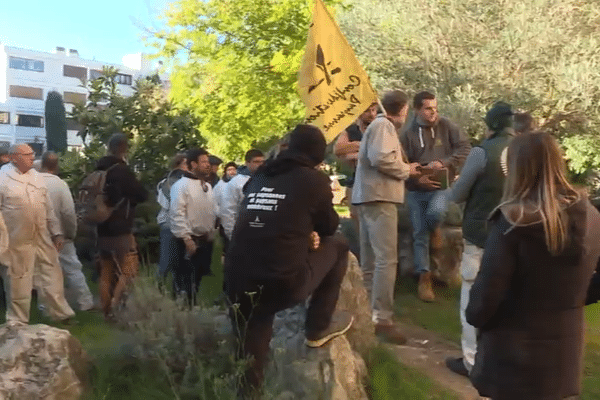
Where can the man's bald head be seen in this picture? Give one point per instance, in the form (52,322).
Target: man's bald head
(50,162)
(22,156)
(19,148)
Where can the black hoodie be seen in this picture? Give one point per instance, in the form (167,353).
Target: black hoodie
(120,183)
(284,202)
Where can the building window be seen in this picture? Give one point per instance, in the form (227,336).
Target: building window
(26,92)
(32,121)
(95,74)
(75,72)
(73,125)
(123,79)
(74,98)
(4,117)
(26,64)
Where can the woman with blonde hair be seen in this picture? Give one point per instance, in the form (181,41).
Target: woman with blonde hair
(527,300)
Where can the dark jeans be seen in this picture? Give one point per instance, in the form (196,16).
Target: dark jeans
(168,247)
(188,272)
(253,319)
(225,239)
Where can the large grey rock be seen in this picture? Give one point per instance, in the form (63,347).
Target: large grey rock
(41,362)
(335,371)
(354,298)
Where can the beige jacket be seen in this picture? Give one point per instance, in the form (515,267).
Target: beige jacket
(62,203)
(25,205)
(381,171)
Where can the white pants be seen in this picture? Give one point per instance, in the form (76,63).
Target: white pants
(378,223)
(469,268)
(38,258)
(77,291)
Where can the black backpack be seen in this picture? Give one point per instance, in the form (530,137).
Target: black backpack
(91,204)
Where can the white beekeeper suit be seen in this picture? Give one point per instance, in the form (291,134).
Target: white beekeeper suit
(31,224)
(76,288)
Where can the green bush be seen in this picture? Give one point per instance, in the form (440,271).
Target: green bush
(191,348)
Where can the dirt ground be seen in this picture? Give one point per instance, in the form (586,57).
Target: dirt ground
(427,351)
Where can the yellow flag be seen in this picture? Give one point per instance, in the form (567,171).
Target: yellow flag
(331,81)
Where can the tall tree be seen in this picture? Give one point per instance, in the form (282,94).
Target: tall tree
(234,64)
(541,56)
(156,127)
(56,122)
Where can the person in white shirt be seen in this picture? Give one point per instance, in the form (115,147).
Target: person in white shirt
(76,288)
(192,218)
(35,238)
(163,197)
(232,194)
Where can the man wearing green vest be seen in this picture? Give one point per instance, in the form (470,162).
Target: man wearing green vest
(480,185)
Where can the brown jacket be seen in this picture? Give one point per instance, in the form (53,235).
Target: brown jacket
(444,142)
(528,306)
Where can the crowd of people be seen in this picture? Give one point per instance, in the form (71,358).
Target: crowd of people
(531,239)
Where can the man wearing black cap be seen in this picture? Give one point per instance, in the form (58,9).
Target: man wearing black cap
(282,251)
(480,185)
(213,177)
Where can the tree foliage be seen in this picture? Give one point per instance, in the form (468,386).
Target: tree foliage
(157,129)
(542,56)
(234,64)
(56,122)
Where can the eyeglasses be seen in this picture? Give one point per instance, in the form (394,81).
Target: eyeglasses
(25,154)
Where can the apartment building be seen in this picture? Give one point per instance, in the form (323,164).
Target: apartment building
(26,77)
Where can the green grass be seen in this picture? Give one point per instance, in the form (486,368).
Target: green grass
(442,317)
(391,380)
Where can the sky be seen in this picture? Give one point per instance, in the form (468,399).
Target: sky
(104,30)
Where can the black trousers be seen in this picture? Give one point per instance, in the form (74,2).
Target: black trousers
(252,318)
(188,272)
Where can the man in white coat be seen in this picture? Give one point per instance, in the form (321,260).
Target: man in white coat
(192,218)
(232,195)
(77,291)
(34,240)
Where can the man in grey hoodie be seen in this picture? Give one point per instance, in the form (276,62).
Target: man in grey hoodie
(438,144)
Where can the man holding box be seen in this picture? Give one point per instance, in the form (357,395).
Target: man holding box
(439,146)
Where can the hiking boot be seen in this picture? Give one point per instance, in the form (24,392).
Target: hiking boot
(436,239)
(425,289)
(341,321)
(457,366)
(390,333)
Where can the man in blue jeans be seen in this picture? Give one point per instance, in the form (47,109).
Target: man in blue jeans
(437,144)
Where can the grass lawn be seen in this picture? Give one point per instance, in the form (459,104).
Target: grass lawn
(443,317)
(119,375)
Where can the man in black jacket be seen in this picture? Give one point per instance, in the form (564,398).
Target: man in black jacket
(117,249)
(282,251)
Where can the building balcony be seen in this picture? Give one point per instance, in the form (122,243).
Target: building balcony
(25,134)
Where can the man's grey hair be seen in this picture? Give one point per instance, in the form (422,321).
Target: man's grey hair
(14,148)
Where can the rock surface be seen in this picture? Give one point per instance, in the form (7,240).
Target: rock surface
(41,362)
(335,371)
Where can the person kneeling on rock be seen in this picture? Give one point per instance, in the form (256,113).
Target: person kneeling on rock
(282,251)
